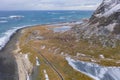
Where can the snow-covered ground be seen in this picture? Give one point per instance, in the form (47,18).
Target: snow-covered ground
(37,62)
(95,71)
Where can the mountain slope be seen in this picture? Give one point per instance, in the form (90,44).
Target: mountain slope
(104,24)
(108,15)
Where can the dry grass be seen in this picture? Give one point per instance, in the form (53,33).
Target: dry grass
(57,60)
(55,43)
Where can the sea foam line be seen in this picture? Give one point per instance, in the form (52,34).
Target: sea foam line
(7,35)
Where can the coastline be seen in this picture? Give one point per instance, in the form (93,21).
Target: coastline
(8,58)
(23,68)
(61,49)
(9,54)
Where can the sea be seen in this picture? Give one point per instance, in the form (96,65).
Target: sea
(11,21)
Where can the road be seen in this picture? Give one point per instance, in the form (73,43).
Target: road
(48,62)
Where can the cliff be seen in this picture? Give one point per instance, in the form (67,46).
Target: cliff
(104,24)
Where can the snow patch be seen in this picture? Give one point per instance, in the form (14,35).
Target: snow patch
(101,56)
(46,75)
(71,63)
(26,56)
(80,54)
(37,62)
(107,13)
(28,77)
(95,71)
(43,47)
(110,27)
(62,53)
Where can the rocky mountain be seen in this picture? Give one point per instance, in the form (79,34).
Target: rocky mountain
(104,24)
(108,15)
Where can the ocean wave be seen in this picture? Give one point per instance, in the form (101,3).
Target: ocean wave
(53,13)
(62,17)
(3,17)
(3,21)
(12,17)
(7,35)
(73,12)
(15,16)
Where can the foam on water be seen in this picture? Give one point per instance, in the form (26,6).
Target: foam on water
(6,36)
(15,16)
(3,21)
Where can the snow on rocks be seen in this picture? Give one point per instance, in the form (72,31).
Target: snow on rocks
(110,7)
(112,10)
(110,27)
(26,56)
(62,53)
(95,71)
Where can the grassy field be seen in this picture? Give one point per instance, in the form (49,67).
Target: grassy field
(56,45)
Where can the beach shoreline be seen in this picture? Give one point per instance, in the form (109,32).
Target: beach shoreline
(8,61)
(11,50)
(8,52)
(8,58)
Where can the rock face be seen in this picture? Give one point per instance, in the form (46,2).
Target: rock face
(104,25)
(108,15)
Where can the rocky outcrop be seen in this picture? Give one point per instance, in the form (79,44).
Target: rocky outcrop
(104,25)
(108,15)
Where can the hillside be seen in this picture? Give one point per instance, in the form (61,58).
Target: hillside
(104,25)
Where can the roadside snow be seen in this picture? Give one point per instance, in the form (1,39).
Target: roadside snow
(28,78)
(37,62)
(46,75)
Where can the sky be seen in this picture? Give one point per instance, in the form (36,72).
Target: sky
(49,4)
